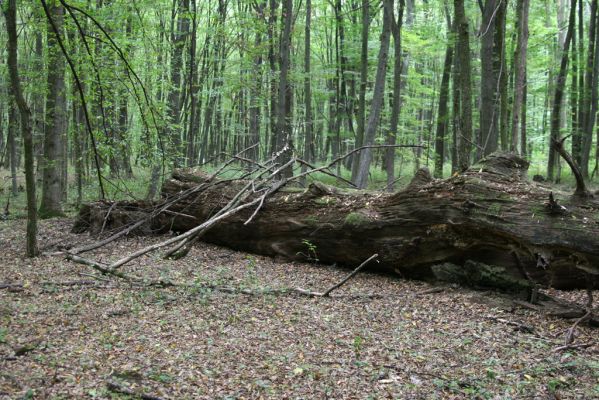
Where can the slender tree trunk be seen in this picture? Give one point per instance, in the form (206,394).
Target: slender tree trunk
(10,14)
(465,86)
(523,120)
(559,87)
(308,124)
(443,113)
(361,180)
(520,70)
(256,86)
(396,105)
(178,36)
(11,153)
(52,180)
(38,103)
(363,83)
(590,91)
(124,147)
(284,134)
(272,62)
(489,136)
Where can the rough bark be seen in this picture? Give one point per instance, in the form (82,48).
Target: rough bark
(178,36)
(487,226)
(52,182)
(489,136)
(10,14)
(465,85)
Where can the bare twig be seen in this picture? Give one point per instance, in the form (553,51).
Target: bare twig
(107,216)
(348,277)
(336,286)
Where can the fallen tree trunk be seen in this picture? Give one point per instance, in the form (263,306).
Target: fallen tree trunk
(487,226)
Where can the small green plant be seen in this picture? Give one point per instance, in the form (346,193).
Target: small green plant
(358,343)
(251,279)
(310,251)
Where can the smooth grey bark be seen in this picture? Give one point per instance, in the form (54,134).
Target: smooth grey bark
(361,180)
(520,73)
(361,117)
(54,135)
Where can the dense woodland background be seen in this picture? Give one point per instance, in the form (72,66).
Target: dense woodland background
(121,92)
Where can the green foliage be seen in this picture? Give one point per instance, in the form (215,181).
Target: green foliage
(310,253)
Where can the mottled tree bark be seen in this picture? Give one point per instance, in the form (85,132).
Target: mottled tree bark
(10,13)
(54,155)
(465,86)
(284,140)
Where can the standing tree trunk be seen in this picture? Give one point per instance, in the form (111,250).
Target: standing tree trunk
(520,67)
(465,86)
(379,86)
(308,130)
(13,124)
(10,14)
(489,136)
(559,88)
(52,182)
(363,83)
(443,113)
(178,36)
(272,22)
(590,91)
(284,142)
(256,87)
(396,106)
(124,147)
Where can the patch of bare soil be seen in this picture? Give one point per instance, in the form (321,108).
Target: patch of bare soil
(65,334)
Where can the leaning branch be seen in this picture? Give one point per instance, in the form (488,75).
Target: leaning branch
(581,188)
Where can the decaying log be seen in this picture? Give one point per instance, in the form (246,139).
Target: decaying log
(487,226)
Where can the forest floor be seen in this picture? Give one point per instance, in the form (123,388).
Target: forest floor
(67,335)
